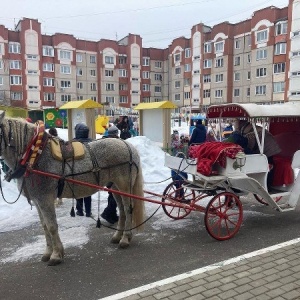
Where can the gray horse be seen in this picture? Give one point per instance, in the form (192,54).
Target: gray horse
(106,160)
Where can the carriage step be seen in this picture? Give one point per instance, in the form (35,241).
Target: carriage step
(285,207)
(203,187)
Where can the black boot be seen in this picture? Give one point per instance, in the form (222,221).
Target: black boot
(87,205)
(110,212)
(79,207)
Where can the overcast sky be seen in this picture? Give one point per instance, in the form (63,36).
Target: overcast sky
(157,21)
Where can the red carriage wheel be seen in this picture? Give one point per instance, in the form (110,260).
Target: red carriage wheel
(262,201)
(223,216)
(175,194)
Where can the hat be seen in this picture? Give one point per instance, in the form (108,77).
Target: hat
(113,130)
(199,122)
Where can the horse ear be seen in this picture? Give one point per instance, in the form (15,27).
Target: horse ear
(2,115)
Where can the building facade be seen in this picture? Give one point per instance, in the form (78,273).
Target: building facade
(256,60)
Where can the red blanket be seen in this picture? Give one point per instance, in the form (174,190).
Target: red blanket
(211,152)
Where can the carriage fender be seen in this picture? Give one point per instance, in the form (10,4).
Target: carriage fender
(295,192)
(251,185)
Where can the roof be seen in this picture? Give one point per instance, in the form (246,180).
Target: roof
(156,105)
(81,104)
(252,110)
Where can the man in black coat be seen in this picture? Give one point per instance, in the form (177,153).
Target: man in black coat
(198,134)
(82,135)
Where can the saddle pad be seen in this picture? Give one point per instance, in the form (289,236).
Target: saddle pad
(77,149)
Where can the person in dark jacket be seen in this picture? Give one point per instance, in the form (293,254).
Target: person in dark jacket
(110,212)
(124,127)
(82,135)
(198,134)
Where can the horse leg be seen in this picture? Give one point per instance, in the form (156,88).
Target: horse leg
(49,249)
(121,223)
(127,214)
(47,210)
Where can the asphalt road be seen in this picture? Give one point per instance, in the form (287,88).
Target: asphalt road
(100,269)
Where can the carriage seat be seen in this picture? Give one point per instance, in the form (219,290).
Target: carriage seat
(289,142)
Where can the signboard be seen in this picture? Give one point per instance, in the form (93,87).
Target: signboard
(55,118)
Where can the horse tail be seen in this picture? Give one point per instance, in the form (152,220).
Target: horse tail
(138,214)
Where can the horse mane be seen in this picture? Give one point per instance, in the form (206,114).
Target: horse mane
(16,126)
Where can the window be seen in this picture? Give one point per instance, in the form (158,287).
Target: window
(297,73)
(186,81)
(93,86)
(178,71)
(260,90)
(123,87)
(207,63)
(187,95)
(109,60)
(79,57)
(279,68)
(15,64)
(248,58)
(48,81)
(158,77)
(93,73)
(123,99)
(236,92)
(248,92)
(207,47)
(146,75)
(122,60)
(109,73)
(281,28)
(219,77)
(249,75)
(280,48)
(146,99)
(297,93)
(65,69)
(79,97)
(109,87)
(237,60)
(49,97)
(48,51)
(31,72)
(158,64)
(94,98)
(219,46)
(278,87)
(237,76)
(187,68)
(187,52)
(196,71)
(79,85)
(65,98)
(219,62)
(135,79)
(206,93)
(177,97)
(196,57)
(16,95)
(15,80)
(218,93)
(1,64)
(146,61)
(32,87)
(262,36)
(237,44)
(295,53)
(134,66)
(261,54)
(32,57)
(65,84)
(177,84)
(196,86)
(14,47)
(92,59)
(47,67)
(146,87)
(206,78)
(79,72)
(261,72)
(157,89)
(177,57)
(64,54)
(1,80)
(296,33)
(122,73)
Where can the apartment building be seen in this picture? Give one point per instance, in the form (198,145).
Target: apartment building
(256,60)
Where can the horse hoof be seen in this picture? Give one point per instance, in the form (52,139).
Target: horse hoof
(54,262)
(115,240)
(45,258)
(123,245)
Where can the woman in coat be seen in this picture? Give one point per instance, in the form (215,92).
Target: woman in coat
(124,127)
